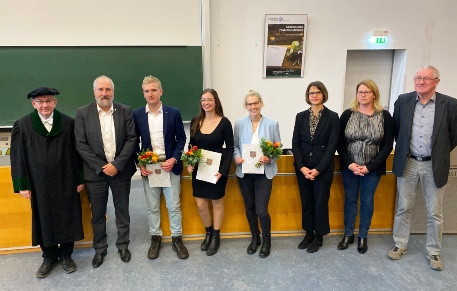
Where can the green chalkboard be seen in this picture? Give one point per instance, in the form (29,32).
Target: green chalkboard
(72,70)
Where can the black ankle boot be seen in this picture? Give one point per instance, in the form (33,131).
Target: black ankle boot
(205,243)
(266,246)
(255,242)
(307,240)
(315,244)
(214,244)
(362,246)
(344,243)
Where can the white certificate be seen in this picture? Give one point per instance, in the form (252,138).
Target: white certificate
(251,156)
(208,166)
(158,177)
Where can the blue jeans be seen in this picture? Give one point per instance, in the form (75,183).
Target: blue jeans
(419,174)
(366,186)
(172,199)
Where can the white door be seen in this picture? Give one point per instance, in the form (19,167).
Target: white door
(368,64)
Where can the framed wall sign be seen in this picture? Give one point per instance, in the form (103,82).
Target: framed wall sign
(284,51)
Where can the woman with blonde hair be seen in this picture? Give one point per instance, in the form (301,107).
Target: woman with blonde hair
(366,140)
(256,188)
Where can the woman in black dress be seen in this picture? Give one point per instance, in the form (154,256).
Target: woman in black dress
(209,130)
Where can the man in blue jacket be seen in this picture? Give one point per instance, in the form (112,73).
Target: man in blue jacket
(160,128)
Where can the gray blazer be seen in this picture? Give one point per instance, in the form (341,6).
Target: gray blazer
(268,129)
(89,143)
(444,136)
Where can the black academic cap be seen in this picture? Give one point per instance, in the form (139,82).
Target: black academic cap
(41,91)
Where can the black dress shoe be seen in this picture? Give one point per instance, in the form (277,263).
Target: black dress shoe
(315,244)
(255,243)
(46,267)
(68,264)
(179,247)
(306,240)
(266,247)
(344,243)
(125,255)
(362,246)
(97,261)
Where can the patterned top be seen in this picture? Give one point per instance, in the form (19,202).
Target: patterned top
(364,134)
(313,121)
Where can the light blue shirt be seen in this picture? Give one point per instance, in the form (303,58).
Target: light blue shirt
(421,135)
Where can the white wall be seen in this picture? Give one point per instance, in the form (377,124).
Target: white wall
(99,22)
(426,29)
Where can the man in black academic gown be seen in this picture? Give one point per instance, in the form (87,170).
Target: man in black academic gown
(46,169)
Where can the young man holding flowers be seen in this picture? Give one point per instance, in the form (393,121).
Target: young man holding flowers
(160,129)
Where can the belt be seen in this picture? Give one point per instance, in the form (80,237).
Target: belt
(420,159)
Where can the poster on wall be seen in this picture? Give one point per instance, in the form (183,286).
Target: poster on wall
(284,51)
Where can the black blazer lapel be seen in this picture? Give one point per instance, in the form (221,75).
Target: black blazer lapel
(440,109)
(305,124)
(93,112)
(409,114)
(117,115)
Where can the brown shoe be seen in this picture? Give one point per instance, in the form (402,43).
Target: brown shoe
(156,243)
(179,247)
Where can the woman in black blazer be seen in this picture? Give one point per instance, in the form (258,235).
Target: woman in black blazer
(314,143)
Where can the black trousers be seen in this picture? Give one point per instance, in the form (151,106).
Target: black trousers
(58,251)
(98,197)
(256,191)
(314,197)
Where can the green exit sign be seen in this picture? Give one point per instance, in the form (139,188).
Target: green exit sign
(380,40)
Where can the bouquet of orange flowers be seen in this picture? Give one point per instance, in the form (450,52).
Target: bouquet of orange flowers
(191,157)
(146,157)
(270,149)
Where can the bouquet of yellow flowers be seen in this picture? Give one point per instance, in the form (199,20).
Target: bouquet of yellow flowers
(191,157)
(270,149)
(146,157)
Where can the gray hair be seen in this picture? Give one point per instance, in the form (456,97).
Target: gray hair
(436,73)
(103,77)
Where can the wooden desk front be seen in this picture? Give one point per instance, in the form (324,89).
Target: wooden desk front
(284,208)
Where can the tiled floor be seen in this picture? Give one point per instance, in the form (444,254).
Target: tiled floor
(231,268)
